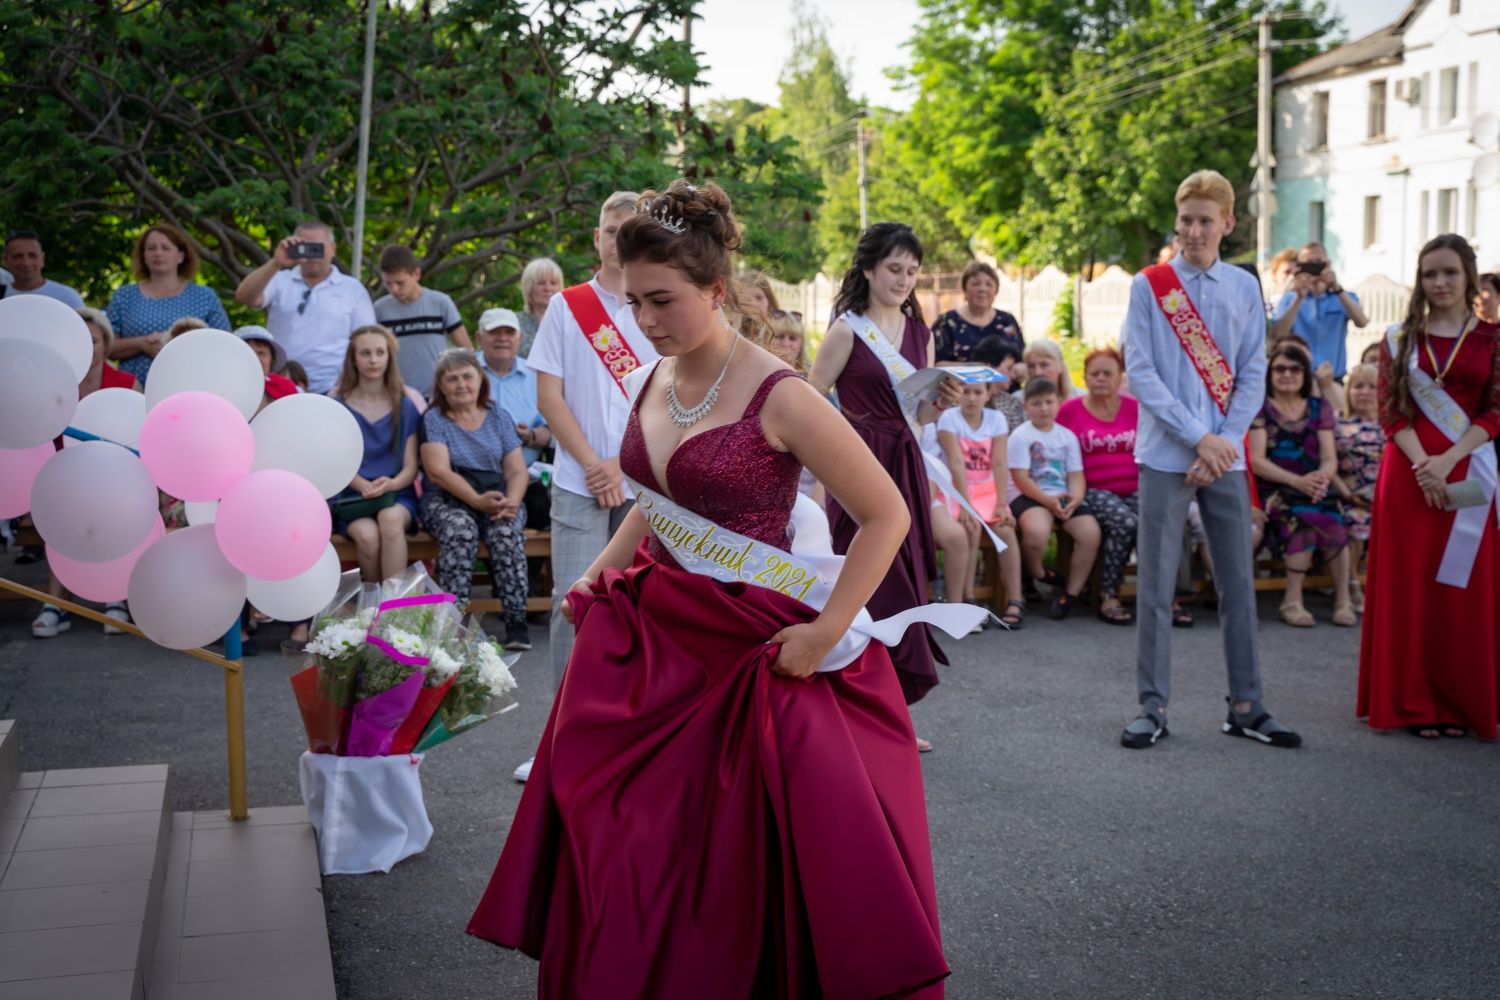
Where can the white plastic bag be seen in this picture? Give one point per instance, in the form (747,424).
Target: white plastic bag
(367,811)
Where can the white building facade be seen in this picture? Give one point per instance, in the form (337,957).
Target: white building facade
(1392,139)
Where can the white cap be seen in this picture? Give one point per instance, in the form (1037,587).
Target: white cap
(492,318)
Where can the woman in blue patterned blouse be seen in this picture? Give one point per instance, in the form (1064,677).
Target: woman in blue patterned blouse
(165,264)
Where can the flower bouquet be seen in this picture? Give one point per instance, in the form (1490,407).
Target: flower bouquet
(482,689)
(325,667)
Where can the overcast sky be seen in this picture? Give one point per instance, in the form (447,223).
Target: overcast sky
(745,44)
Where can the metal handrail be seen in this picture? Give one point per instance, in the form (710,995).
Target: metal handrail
(234,686)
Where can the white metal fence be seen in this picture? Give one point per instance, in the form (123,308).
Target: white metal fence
(1099,305)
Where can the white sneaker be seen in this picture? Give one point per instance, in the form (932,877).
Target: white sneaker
(51,622)
(524,771)
(119,614)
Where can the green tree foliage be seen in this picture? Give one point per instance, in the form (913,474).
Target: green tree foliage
(896,194)
(498,128)
(1058,132)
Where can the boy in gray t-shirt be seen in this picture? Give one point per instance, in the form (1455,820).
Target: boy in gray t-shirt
(422,319)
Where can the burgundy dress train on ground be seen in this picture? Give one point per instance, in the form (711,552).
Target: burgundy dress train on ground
(696,825)
(866,397)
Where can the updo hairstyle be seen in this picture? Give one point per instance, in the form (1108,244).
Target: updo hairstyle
(705,248)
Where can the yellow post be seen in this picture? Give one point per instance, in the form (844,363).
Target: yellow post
(234,717)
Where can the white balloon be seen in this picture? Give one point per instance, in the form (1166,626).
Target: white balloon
(302,596)
(94,502)
(113,414)
(213,361)
(38,393)
(200,511)
(183,593)
(49,322)
(314,436)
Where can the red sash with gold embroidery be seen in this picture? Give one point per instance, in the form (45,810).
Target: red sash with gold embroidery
(599,330)
(1192,333)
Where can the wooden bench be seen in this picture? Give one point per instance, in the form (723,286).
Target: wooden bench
(422,547)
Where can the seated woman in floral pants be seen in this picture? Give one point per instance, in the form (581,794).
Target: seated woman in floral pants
(475,481)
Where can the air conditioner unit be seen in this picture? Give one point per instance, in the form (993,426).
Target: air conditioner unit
(1409,90)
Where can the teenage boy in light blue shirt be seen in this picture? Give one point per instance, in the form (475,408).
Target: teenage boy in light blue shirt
(1188,447)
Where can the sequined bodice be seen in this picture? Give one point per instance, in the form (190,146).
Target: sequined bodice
(729,473)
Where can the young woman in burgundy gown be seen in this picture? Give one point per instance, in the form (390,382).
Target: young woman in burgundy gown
(879,289)
(1430,651)
(707,816)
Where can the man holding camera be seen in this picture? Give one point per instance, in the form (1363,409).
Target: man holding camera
(312,307)
(1318,309)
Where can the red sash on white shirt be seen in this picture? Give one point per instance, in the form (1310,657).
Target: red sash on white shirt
(609,344)
(1192,333)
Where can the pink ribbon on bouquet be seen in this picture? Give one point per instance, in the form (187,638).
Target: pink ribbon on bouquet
(403,602)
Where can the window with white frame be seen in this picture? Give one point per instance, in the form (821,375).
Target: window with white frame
(1424,221)
(1315,222)
(1471,220)
(1320,120)
(1447,210)
(1372,220)
(1375,121)
(1447,95)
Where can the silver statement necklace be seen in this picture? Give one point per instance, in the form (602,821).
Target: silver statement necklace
(684,416)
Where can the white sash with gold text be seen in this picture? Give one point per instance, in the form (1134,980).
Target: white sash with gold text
(898,370)
(807,574)
(1468,523)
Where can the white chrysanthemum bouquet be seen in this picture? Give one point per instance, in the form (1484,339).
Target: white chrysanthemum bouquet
(393,669)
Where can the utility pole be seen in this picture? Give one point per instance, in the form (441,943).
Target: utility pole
(687,90)
(364,141)
(864,178)
(1263,190)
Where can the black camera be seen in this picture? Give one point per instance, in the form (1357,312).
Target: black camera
(305,251)
(1303,266)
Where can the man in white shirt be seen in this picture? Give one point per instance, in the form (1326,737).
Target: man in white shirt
(26,258)
(580,397)
(311,309)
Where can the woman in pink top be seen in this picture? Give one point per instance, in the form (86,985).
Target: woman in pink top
(1105,422)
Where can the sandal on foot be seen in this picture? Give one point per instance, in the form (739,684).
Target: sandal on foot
(1062,604)
(1344,615)
(1181,616)
(1425,731)
(1052,578)
(52,622)
(1116,613)
(923,746)
(1144,730)
(1015,614)
(1453,730)
(1295,615)
(1262,728)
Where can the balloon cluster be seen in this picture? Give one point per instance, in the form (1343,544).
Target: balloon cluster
(253,485)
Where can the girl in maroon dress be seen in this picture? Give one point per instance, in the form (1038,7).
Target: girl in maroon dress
(880,289)
(1430,651)
(707,816)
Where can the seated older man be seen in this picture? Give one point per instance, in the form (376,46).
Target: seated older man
(513,384)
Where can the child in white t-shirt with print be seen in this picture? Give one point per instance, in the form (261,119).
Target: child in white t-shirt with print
(973,440)
(1046,463)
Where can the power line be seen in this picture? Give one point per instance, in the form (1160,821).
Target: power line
(1134,94)
(1124,85)
(1127,65)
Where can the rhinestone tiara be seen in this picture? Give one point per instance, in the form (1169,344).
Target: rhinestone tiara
(673,224)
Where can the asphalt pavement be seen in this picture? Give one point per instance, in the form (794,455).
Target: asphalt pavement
(1363,865)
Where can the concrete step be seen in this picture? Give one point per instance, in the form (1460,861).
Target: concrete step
(242,915)
(83,864)
(105,894)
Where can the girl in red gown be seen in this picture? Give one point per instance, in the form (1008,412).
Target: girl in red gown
(1430,651)
(880,286)
(707,816)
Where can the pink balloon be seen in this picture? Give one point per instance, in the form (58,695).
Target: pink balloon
(18,469)
(197,445)
(272,525)
(101,581)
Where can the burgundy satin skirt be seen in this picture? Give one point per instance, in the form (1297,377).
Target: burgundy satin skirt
(698,826)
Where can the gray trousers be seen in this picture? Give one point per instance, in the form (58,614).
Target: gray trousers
(1225,507)
(580,531)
